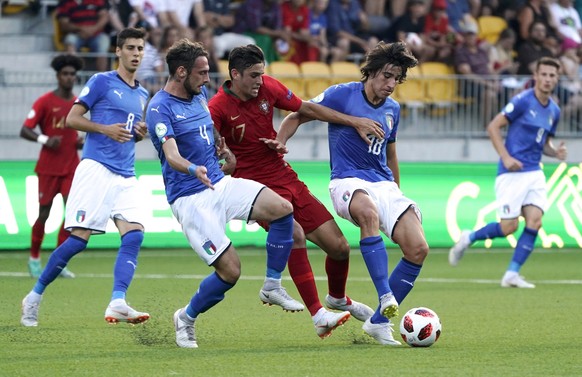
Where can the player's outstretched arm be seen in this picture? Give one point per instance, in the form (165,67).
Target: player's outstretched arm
(288,127)
(363,126)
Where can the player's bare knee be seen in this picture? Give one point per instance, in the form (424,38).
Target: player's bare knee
(298,236)
(417,253)
(509,227)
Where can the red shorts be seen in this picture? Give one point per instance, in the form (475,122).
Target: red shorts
(51,185)
(308,211)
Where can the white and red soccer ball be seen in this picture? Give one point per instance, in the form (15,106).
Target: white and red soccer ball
(420,327)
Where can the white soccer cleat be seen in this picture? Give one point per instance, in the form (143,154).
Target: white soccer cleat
(124,313)
(329,321)
(382,332)
(358,310)
(29,316)
(67,274)
(185,336)
(388,306)
(457,251)
(514,280)
(280,297)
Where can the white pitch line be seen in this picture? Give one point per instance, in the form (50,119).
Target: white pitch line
(319,278)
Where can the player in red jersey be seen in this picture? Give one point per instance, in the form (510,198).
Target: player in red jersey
(58,156)
(242,111)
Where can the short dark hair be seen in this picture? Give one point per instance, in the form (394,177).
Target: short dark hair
(129,32)
(243,57)
(184,53)
(547,60)
(61,61)
(396,53)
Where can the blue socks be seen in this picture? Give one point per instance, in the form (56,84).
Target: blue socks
(402,278)
(210,292)
(489,231)
(279,243)
(374,253)
(525,246)
(58,260)
(126,262)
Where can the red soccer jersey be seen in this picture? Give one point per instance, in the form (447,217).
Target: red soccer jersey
(50,112)
(242,123)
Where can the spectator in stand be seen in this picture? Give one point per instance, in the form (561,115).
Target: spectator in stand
(532,49)
(535,11)
(375,11)
(204,35)
(460,12)
(501,60)
(150,72)
(121,15)
(58,157)
(438,36)
(295,15)
(170,35)
(83,24)
(179,13)
(262,20)
(347,27)
(410,27)
(152,12)
(567,19)
(472,61)
(320,49)
(397,7)
(219,17)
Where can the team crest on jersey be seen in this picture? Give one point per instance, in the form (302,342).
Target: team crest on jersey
(346,196)
(264,106)
(550,120)
(80,216)
(389,122)
(31,114)
(209,247)
(506,209)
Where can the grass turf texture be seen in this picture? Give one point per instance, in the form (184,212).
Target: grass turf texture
(487,330)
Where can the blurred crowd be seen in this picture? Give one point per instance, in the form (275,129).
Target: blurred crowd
(446,31)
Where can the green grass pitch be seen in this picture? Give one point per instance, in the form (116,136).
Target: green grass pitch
(487,330)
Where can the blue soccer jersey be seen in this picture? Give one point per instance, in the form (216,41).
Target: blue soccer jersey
(190,124)
(111,100)
(350,156)
(530,123)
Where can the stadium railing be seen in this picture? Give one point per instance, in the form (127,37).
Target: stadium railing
(427,115)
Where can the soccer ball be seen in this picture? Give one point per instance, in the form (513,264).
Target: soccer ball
(420,327)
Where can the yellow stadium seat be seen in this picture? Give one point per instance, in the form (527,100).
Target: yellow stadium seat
(344,72)
(490,27)
(412,90)
(289,75)
(441,86)
(316,76)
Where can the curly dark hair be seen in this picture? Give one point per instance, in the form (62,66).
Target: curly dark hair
(396,53)
(65,60)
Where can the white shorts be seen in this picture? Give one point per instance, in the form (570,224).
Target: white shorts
(204,215)
(389,200)
(514,191)
(97,194)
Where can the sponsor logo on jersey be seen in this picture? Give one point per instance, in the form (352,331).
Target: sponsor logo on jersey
(289,94)
(118,93)
(506,209)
